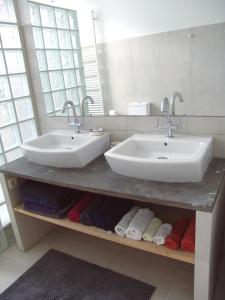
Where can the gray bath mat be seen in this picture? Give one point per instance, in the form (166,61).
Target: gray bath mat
(58,276)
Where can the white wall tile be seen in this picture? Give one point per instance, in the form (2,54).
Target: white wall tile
(147,81)
(208,42)
(208,77)
(206,125)
(175,46)
(145,51)
(118,54)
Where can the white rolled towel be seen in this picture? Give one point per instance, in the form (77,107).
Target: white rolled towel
(121,227)
(161,234)
(139,223)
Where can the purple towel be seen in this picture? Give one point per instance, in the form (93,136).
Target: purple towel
(54,206)
(47,195)
(42,192)
(61,213)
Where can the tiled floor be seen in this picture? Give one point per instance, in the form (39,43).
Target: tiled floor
(173,280)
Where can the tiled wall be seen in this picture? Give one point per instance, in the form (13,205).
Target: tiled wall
(154,66)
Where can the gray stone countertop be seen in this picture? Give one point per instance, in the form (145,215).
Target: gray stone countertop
(97,177)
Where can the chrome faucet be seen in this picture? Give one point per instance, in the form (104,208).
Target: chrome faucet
(165,108)
(172,101)
(85,99)
(76,122)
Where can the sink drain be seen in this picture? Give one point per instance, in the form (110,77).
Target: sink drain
(162,157)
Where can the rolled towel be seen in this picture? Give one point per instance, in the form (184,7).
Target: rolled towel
(161,234)
(85,217)
(173,240)
(79,207)
(152,229)
(188,241)
(139,223)
(114,214)
(121,227)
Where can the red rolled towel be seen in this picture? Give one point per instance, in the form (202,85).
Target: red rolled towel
(174,239)
(188,241)
(79,207)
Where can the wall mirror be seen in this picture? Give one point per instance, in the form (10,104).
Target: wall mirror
(123,52)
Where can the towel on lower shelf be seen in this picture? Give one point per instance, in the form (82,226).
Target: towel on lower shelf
(100,212)
(152,229)
(188,241)
(139,223)
(41,193)
(85,217)
(121,227)
(48,196)
(53,213)
(79,207)
(173,240)
(114,214)
(161,234)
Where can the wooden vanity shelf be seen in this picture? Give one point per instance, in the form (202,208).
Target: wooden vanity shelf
(100,233)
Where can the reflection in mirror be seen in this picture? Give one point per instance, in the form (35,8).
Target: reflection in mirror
(61,63)
(129,66)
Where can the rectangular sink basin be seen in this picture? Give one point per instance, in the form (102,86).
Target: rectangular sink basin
(157,158)
(66,149)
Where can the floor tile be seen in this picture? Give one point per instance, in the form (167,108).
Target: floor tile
(9,272)
(145,267)
(182,286)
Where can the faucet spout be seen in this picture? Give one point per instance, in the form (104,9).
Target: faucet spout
(85,99)
(169,127)
(75,118)
(172,101)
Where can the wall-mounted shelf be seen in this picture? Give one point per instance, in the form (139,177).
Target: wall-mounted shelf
(100,233)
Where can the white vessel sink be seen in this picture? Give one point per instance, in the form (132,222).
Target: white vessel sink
(66,149)
(155,157)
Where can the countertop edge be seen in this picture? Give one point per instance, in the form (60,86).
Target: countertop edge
(119,195)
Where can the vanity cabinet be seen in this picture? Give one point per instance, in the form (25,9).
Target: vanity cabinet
(169,201)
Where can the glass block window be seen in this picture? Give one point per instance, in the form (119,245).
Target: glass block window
(57,43)
(16,111)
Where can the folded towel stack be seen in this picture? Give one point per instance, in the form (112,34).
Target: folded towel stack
(139,223)
(173,240)
(48,200)
(188,241)
(161,234)
(152,229)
